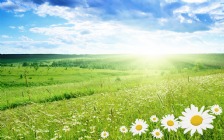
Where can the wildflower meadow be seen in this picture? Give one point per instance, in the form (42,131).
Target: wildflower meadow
(118,102)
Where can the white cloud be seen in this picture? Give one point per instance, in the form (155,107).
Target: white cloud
(170,1)
(12,27)
(19,15)
(52,30)
(114,37)
(7,4)
(163,21)
(211,8)
(70,14)
(25,39)
(214,10)
(17,6)
(21,28)
(85,33)
(5,36)
(183,9)
(46,9)
(194,1)
(181,18)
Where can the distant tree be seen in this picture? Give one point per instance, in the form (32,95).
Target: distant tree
(54,64)
(25,76)
(25,64)
(35,65)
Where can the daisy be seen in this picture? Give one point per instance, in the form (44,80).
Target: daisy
(123,129)
(169,122)
(194,120)
(157,133)
(154,118)
(104,134)
(66,128)
(216,109)
(139,127)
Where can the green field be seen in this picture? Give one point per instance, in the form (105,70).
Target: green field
(40,95)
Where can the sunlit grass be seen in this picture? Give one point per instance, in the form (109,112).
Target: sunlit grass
(88,116)
(95,100)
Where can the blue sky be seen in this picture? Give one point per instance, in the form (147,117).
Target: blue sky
(111,26)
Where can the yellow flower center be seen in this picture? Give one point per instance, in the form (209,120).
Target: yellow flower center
(104,134)
(154,119)
(138,127)
(170,123)
(123,129)
(216,110)
(157,133)
(196,120)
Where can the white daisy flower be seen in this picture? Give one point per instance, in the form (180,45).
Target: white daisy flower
(169,122)
(54,138)
(154,118)
(216,109)
(194,120)
(66,128)
(139,127)
(157,133)
(104,134)
(123,129)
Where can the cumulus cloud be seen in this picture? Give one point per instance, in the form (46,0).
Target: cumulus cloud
(114,37)
(207,14)
(102,36)
(114,27)
(70,14)
(16,5)
(8,5)
(46,9)
(144,13)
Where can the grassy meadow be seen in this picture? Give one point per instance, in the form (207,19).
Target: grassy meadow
(77,97)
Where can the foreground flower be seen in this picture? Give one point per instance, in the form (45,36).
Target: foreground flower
(123,129)
(157,133)
(194,120)
(66,128)
(216,109)
(104,134)
(169,122)
(139,127)
(153,118)
(56,136)
(92,128)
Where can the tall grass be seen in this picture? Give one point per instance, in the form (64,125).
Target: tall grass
(108,111)
(45,101)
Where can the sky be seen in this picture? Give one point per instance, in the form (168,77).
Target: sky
(111,26)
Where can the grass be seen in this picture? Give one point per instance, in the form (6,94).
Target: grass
(74,82)
(15,76)
(104,100)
